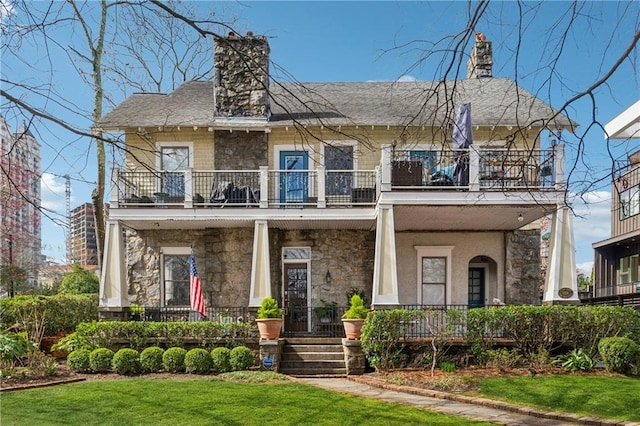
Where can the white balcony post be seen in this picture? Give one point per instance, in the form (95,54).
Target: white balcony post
(558,168)
(385,185)
(115,188)
(378,181)
(264,187)
(322,182)
(474,168)
(188,188)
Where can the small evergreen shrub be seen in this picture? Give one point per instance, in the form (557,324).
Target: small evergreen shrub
(503,357)
(78,361)
(221,359)
(173,360)
(126,362)
(100,360)
(240,358)
(198,361)
(447,367)
(576,360)
(151,359)
(620,354)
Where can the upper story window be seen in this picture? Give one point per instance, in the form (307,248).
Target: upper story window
(339,158)
(628,269)
(630,202)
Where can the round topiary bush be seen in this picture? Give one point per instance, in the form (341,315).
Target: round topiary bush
(240,358)
(78,361)
(173,359)
(220,357)
(126,362)
(151,359)
(100,360)
(619,354)
(198,361)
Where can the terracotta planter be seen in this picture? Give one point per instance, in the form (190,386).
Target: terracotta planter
(269,328)
(353,328)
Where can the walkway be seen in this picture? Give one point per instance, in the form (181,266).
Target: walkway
(457,405)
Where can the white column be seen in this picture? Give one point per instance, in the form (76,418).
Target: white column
(264,187)
(322,184)
(260,266)
(385,272)
(558,168)
(113,282)
(561,285)
(114,193)
(385,163)
(188,188)
(474,168)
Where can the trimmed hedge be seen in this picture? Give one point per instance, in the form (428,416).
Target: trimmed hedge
(620,354)
(173,360)
(126,362)
(62,312)
(220,357)
(240,358)
(151,359)
(78,361)
(141,334)
(100,360)
(198,361)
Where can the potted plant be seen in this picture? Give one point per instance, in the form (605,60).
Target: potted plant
(327,312)
(269,319)
(353,319)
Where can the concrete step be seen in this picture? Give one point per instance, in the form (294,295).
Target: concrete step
(311,365)
(313,341)
(311,348)
(312,356)
(307,372)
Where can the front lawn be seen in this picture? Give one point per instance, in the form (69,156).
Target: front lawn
(200,401)
(611,397)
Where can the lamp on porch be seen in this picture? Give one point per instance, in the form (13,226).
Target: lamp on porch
(328,278)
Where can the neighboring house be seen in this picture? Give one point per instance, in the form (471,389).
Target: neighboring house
(306,191)
(616,278)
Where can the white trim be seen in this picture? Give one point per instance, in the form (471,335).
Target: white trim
(338,143)
(307,262)
(169,251)
(434,251)
(500,143)
(277,149)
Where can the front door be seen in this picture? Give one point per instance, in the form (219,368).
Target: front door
(476,288)
(294,177)
(296,297)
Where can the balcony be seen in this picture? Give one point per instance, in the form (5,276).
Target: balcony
(475,170)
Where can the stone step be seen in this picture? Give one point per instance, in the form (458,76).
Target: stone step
(311,365)
(311,348)
(306,372)
(313,341)
(312,356)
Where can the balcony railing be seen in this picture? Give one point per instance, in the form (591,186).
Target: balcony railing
(473,169)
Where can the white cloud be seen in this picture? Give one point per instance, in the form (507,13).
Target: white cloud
(6,9)
(585,268)
(52,193)
(591,224)
(406,78)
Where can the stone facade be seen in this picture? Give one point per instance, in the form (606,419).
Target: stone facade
(522,267)
(480,62)
(242,76)
(239,150)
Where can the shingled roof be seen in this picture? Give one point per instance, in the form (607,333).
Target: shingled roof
(494,102)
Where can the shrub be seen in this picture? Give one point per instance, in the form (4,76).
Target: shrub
(221,359)
(574,361)
(198,361)
(151,359)
(78,361)
(79,281)
(14,346)
(356,310)
(62,312)
(173,360)
(269,309)
(100,360)
(620,354)
(126,362)
(447,367)
(503,357)
(240,358)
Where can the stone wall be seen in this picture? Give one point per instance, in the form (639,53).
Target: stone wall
(240,150)
(522,267)
(242,76)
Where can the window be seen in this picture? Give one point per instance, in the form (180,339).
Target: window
(339,158)
(176,280)
(629,202)
(628,269)
(173,160)
(434,280)
(434,274)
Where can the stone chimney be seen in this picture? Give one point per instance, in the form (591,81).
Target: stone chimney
(242,76)
(480,64)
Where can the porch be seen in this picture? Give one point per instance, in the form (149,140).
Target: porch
(475,170)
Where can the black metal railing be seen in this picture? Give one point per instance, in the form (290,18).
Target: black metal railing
(226,188)
(314,321)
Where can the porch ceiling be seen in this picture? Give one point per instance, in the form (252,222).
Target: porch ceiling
(467,218)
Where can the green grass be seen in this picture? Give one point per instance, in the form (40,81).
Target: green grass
(611,397)
(200,401)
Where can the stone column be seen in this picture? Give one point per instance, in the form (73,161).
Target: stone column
(354,358)
(385,273)
(270,354)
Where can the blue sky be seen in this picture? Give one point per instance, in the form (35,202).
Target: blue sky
(363,41)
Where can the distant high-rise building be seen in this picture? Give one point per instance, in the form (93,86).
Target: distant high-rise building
(20,220)
(82,238)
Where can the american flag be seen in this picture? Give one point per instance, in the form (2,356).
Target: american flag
(195,289)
